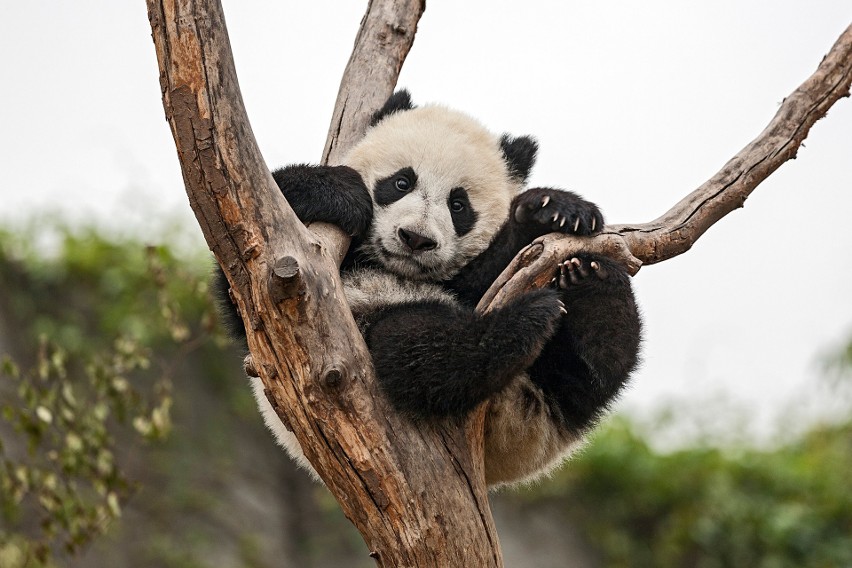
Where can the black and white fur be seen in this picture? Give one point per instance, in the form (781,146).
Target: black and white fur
(435,204)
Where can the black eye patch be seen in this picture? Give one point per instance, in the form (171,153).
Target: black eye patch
(461,211)
(395,187)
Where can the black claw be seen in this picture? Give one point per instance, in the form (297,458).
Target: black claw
(572,273)
(563,276)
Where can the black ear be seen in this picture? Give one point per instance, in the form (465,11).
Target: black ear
(399,101)
(519,154)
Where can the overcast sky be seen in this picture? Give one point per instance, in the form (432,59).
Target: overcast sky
(634,105)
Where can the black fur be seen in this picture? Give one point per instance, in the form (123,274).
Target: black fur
(399,101)
(519,154)
(329,194)
(543,210)
(389,189)
(588,361)
(231,319)
(433,359)
(461,211)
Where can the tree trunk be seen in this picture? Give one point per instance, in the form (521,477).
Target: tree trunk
(416,492)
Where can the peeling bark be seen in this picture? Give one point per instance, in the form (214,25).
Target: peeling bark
(416,493)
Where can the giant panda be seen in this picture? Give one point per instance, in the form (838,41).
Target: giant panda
(437,209)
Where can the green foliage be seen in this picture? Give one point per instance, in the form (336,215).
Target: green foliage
(69,472)
(102,326)
(96,310)
(708,508)
(94,289)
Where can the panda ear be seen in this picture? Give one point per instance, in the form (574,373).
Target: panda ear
(399,101)
(519,154)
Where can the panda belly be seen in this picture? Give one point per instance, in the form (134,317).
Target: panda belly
(524,438)
(367,290)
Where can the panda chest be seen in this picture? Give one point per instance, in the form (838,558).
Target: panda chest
(370,289)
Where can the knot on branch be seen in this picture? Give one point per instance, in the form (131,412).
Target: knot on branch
(332,379)
(248,367)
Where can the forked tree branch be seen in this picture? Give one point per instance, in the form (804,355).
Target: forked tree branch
(676,231)
(416,493)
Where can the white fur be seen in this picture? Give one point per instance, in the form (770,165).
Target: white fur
(447,149)
(285,438)
(523,439)
(368,289)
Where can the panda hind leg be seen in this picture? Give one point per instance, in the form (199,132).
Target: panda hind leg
(589,360)
(434,359)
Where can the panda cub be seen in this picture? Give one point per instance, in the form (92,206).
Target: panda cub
(437,209)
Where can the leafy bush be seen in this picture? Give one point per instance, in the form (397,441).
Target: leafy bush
(710,507)
(86,321)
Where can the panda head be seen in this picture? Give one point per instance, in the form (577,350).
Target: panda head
(441,186)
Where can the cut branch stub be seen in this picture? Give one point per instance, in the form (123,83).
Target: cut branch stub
(333,379)
(285,281)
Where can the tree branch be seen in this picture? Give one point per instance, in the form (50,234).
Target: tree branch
(676,231)
(416,493)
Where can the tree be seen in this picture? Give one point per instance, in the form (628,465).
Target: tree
(416,492)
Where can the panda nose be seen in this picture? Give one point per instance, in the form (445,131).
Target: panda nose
(416,242)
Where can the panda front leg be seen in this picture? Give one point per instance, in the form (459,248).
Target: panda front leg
(533,213)
(589,360)
(328,194)
(434,359)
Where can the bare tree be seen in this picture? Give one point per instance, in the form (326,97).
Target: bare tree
(416,492)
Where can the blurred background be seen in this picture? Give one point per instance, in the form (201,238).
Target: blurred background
(127,434)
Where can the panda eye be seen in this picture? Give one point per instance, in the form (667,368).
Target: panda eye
(402,184)
(457,205)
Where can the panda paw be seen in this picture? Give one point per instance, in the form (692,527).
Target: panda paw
(532,319)
(559,211)
(578,271)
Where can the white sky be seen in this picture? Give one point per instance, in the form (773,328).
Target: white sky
(634,105)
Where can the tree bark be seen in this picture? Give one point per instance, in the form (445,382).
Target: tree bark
(416,493)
